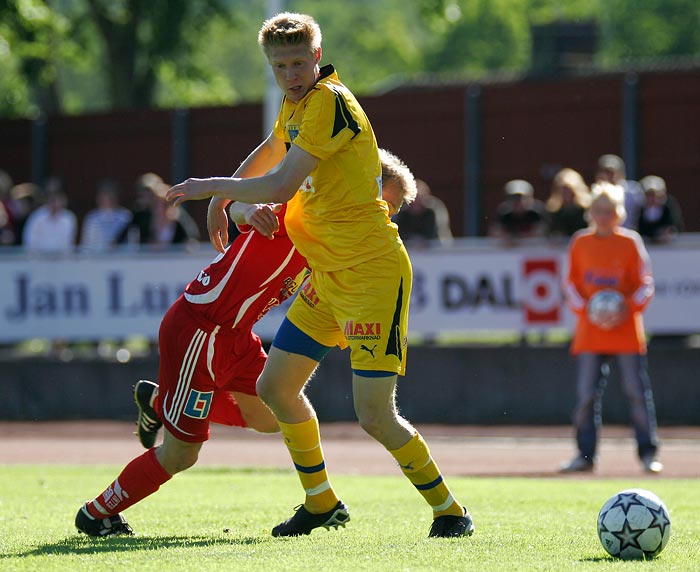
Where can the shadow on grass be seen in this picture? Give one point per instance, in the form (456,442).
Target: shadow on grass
(87,545)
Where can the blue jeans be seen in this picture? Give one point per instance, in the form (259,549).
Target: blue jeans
(593,371)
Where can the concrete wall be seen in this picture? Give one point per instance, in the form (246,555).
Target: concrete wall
(475,385)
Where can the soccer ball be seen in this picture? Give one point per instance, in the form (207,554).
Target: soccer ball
(605,308)
(634,524)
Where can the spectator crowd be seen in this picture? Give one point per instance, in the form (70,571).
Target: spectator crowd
(39,219)
(651,211)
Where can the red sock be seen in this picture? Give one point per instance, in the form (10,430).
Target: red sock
(140,478)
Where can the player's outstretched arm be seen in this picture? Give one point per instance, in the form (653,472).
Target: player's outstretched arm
(276,187)
(263,159)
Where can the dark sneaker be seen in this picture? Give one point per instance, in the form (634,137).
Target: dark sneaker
(303,522)
(111,525)
(577,465)
(451,526)
(148,423)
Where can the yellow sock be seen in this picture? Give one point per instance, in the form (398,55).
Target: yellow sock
(304,443)
(418,466)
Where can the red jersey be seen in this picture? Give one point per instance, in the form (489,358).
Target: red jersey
(252,276)
(620,262)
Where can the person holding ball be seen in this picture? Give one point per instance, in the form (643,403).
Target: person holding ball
(605,259)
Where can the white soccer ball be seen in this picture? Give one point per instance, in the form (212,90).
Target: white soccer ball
(634,524)
(605,308)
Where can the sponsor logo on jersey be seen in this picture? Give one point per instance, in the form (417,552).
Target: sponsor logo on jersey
(271,304)
(308,185)
(198,404)
(593,278)
(369,350)
(203,278)
(291,285)
(308,294)
(363,331)
(292,131)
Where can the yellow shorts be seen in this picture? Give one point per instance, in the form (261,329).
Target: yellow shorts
(364,307)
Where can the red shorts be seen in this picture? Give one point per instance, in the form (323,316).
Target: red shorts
(200,364)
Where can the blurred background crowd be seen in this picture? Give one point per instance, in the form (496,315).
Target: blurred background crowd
(651,210)
(40,219)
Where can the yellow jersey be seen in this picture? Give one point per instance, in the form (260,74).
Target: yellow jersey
(337,219)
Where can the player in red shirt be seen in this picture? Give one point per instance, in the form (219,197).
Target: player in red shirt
(209,357)
(199,382)
(607,256)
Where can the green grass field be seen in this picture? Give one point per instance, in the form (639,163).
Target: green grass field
(220,519)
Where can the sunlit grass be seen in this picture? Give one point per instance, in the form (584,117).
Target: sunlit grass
(220,519)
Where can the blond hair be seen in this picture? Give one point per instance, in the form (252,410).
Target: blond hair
(610,194)
(396,171)
(572,179)
(290,29)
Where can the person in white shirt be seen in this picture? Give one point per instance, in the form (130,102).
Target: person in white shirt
(52,227)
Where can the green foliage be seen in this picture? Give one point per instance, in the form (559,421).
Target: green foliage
(482,35)
(229,55)
(14,93)
(214,518)
(546,11)
(385,38)
(141,35)
(35,39)
(198,88)
(652,29)
(90,55)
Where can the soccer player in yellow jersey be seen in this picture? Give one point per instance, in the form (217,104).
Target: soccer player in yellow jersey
(328,171)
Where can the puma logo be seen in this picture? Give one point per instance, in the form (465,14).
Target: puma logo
(370,350)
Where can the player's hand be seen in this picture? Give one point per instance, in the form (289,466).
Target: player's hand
(217,224)
(190,190)
(263,219)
